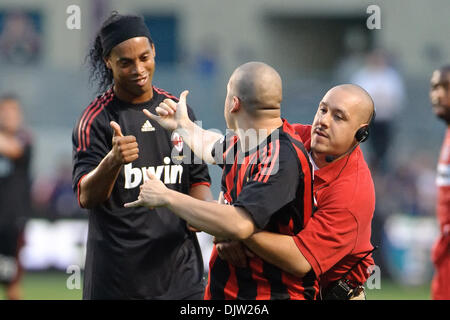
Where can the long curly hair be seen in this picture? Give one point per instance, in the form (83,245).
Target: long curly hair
(99,74)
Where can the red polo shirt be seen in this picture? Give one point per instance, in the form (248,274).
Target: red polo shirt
(338,234)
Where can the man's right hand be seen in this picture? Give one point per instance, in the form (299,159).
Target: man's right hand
(234,252)
(124,148)
(171,115)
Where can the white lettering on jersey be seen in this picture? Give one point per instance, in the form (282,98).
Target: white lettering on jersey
(169,174)
(443,175)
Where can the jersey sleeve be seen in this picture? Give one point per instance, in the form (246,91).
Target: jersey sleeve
(198,170)
(329,236)
(272,184)
(91,142)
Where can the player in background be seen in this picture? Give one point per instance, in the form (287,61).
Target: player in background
(133,253)
(15,161)
(440,100)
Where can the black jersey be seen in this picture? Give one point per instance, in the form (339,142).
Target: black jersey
(15,187)
(273,182)
(137,253)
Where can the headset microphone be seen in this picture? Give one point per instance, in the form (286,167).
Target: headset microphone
(330,158)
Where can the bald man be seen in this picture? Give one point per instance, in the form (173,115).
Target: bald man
(266,183)
(335,244)
(440,100)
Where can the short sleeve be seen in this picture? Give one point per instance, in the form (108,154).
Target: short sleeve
(91,142)
(328,237)
(272,185)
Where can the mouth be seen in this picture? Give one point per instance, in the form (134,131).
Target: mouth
(321,133)
(141,81)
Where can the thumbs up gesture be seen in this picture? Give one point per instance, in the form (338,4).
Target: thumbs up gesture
(124,148)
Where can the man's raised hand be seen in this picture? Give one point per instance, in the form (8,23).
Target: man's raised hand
(171,115)
(124,148)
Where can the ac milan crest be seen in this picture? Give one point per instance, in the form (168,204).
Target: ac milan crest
(177,141)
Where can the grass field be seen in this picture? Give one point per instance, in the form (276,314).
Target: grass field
(52,286)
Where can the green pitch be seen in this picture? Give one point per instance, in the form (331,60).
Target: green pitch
(52,286)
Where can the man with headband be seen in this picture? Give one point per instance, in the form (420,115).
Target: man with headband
(133,253)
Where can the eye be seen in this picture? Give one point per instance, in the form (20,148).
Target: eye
(123,64)
(145,58)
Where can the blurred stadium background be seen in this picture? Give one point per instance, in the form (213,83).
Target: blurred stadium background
(313,44)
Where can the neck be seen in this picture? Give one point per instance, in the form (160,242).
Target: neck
(252,132)
(319,159)
(130,97)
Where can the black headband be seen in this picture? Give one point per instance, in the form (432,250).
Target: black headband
(122,30)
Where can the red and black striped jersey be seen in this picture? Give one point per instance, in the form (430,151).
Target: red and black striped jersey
(273,182)
(137,253)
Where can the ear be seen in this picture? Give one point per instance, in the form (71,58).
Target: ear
(153,49)
(107,62)
(236,105)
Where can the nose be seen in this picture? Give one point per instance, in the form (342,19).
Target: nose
(437,95)
(324,120)
(139,68)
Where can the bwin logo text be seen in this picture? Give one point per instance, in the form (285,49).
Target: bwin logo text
(169,174)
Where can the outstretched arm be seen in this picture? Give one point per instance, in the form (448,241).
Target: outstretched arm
(279,250)
(220,220)
(174,116)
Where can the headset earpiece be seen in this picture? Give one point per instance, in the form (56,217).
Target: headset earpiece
(362,134)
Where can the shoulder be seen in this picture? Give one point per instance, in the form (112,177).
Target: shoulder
(292,147)
(97,107)
(353,191)
(163,94)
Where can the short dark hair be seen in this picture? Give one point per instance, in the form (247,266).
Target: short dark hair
(9,96)
(99,73)
(445,69)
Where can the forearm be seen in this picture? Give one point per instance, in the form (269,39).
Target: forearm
(200,141)
(201,192)
(219,220)
(279,250)
(96,186)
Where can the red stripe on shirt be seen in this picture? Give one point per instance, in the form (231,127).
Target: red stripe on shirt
(86,116)
(212,260)
(258,173)
(78,190)
(307,201)
(294,285)
(88,129)
(229,180)
(201,184)
(165,93)
(92,105)
(83,129)
(263,285)
(241,173)
(274,160)
(231,288)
